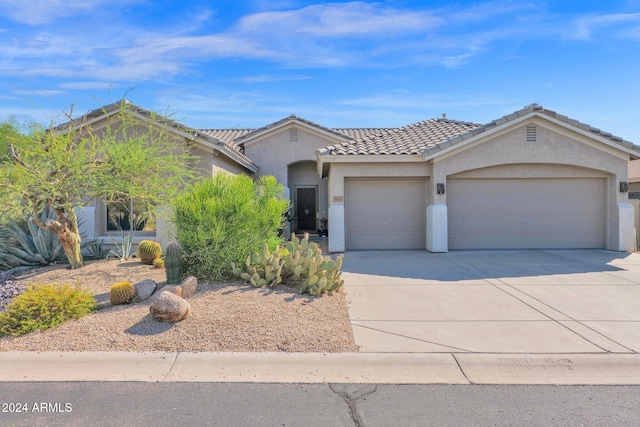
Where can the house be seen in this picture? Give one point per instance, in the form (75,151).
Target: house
(531,179)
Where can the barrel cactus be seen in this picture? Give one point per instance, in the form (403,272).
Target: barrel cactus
(173,263)
(121,293)
(148,250)
(158,263)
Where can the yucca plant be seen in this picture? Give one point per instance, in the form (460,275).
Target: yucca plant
(25,249)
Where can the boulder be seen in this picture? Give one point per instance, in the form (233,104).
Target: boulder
(189,286)
(145,288)
(169,307)
(185,289)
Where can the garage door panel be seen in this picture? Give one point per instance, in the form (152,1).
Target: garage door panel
(385,214)
(526,213)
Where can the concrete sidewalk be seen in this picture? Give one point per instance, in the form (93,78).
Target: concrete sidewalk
(355,368)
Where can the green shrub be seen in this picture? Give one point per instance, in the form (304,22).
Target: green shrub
(224,219)
(43,307)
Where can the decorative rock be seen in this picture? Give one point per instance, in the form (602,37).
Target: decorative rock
(145,288)
(169,307)
(185,289)
(189,285)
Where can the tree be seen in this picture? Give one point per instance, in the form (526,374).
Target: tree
(126,155)
(8,129)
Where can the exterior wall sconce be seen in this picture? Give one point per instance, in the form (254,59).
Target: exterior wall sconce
(624,186)
(440,188)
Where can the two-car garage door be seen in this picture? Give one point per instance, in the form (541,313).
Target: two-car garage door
(526,213)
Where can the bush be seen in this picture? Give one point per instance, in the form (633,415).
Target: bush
(43,307)
(224,219)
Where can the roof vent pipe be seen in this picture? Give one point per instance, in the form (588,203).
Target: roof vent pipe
(444,115)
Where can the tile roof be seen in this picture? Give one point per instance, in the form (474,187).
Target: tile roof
(412,139)
(292,117)
(226,135)
(528,110)
(356,133)
(230,149)
(230,135)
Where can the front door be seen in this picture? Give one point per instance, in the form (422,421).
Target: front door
(306,217)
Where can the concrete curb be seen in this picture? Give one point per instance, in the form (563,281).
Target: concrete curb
(318,368)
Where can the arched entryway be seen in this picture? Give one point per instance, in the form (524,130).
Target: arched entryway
(308,196)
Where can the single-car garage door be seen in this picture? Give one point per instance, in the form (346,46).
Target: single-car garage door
(526,213)
(385,214)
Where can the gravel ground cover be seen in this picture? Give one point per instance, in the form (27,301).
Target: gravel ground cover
(224,317)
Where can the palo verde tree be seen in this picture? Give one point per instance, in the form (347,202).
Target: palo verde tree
(124,154)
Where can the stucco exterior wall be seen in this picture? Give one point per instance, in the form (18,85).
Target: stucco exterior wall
(211,162)
(274,152)
(557,152)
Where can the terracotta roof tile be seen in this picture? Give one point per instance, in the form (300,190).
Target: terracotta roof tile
(226,135)
(412,139)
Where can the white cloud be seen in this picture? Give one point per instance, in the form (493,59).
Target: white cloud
(40,12)
(616,24)
(39,92)
(340,20)
(346,35)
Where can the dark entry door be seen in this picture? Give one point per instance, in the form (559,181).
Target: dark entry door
(306,209)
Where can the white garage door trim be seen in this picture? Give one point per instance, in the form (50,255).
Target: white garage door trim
(531,213)
(385,213)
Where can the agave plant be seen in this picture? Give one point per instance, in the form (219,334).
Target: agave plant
(25,249)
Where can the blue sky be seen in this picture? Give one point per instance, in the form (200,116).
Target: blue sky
(239,64)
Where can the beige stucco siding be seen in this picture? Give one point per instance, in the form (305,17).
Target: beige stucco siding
(556,152)
(274,152)
(211,162)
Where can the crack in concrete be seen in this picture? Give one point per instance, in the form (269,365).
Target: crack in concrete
(351,393)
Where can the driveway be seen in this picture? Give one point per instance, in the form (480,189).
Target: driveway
(530,301)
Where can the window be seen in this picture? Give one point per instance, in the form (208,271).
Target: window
(129,214)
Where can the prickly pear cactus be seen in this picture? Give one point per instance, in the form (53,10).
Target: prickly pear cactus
(148,250)
(306,268)
(261,269)
(173,263)
(300,264)
(121,293)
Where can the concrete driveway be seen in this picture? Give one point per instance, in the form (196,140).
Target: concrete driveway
(530,301)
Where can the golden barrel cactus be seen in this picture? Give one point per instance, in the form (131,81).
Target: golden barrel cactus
(121,293)
(148,251)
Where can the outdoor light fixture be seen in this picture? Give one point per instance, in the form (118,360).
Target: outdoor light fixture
(624,186)
(440,188)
